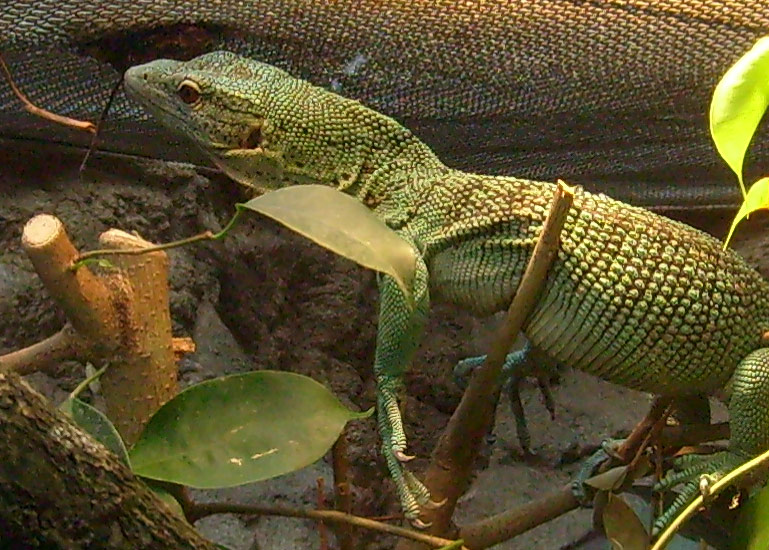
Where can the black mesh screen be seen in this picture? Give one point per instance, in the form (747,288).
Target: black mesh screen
(609,94)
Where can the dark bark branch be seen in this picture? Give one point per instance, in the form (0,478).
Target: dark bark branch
(506,525)
(60,489)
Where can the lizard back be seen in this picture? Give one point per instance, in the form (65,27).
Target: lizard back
(633,297)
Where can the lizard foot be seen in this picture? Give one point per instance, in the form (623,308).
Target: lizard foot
(689,470)
(518,365)
(412,493)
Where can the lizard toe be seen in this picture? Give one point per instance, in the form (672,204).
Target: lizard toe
(403,457)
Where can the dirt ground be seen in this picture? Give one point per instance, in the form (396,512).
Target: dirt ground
(266,298)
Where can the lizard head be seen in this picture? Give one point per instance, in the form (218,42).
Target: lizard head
(263,127)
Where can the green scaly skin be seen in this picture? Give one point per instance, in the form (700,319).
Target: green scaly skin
(633,297)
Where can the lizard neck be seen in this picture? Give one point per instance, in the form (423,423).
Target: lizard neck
(402,181)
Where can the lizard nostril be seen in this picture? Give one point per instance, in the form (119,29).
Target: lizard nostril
(145,76)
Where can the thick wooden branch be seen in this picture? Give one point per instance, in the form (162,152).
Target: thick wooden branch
(143,377)
(85,299)
(120,317)
(60,489)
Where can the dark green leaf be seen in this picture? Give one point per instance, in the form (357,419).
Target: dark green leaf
(342,224)
(623,528)
(751,532)
(95,423)
(241,428)
(739,102)
(756,199)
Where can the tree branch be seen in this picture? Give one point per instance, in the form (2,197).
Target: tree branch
(450,469)
(60,489)
(43,355)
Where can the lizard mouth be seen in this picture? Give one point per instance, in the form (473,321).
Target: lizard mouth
(253,137)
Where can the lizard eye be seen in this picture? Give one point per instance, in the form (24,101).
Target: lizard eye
(189,92)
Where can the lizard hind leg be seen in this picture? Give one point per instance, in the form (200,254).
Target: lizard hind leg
(749,426)
(528,361)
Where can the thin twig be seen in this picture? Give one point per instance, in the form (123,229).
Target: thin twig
(635,442)
(83,125)
(342,489)
(653,434)
(99,124)
(85,383)
(321,504)
(201,510)
(204,236)
(40,356)
(452,460)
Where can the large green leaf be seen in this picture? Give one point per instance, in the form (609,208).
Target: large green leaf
(756,199)
(240,428)
(95,423)
(751,532)
(342,224)
(739,101)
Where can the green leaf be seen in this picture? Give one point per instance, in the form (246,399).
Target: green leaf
(739,102)
(756,199)
(166,497)
(239,429)
(623,528)
(751,532)
(342,224)
(92,420)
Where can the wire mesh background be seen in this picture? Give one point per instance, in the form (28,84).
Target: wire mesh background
(609,94)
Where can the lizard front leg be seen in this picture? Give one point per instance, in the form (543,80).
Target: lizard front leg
(398,335)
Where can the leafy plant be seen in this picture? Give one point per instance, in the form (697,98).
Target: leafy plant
(739,102)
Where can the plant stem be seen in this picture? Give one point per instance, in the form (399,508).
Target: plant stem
(201,510)
(84,384)
(204,236)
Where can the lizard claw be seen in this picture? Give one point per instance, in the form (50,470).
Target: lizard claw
(433,505)
(403,457)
